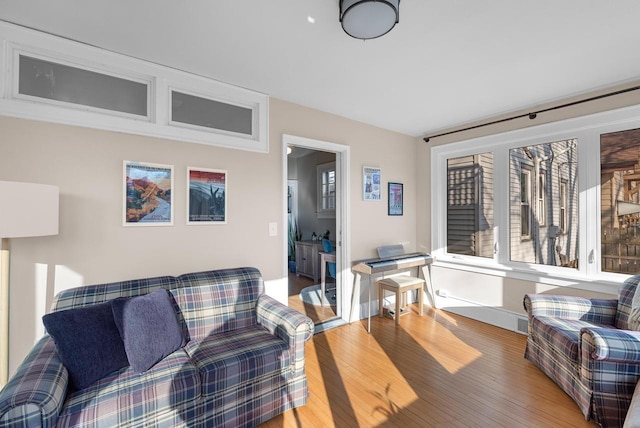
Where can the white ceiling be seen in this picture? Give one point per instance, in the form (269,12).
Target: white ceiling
(447,63)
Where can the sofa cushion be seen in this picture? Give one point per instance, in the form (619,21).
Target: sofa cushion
(101,293)
(88,342)
(219,300)
(149,328)
(127,398)
(231,358)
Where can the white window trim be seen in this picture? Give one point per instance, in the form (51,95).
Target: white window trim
(587,129)
(161,79)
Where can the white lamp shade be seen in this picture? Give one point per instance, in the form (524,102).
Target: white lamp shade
(28,209)
(368,19)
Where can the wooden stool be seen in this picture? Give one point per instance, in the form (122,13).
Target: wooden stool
(400,285)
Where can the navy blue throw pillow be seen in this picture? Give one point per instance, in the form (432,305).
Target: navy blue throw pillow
(149,328)
(88,343)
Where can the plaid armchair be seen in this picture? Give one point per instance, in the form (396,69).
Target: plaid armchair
(584,345)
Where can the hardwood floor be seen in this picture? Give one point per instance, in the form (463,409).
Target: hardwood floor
(439,370)
(316,313)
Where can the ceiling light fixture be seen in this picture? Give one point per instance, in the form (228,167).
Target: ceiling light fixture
(368,19)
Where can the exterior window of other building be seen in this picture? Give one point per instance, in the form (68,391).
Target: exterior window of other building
(541,191)
(563,206)
(525,203)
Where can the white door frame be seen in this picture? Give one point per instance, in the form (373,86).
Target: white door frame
(343,214)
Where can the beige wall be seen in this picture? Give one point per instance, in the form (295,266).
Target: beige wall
(487,290)
(93,247)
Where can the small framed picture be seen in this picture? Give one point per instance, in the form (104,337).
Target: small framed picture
(371,183)
(207,196)
(147,194)
(395,199)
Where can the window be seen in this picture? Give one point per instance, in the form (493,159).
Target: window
(620,201)
(545,214)
(326,177)
(53,79)
(470,205)
(537,226)
(77,87)
(208,113)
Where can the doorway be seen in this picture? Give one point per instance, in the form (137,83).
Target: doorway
(316,176)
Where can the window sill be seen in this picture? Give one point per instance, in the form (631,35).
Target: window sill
(608,284)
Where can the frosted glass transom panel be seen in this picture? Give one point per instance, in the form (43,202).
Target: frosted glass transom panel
(64,83)
(198,111)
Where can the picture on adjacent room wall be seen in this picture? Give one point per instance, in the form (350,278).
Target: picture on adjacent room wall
(207,196)
(371,183)
(148,197)
(395,199)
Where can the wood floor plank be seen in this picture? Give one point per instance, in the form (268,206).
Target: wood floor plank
(439,370)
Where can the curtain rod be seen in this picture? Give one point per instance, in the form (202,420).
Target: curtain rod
(532,115)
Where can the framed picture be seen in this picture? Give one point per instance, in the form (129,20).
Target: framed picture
(148,194)
(207,196)
(371,183)
(395,199)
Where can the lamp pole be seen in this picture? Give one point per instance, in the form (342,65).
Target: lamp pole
(27,210)
(4,312)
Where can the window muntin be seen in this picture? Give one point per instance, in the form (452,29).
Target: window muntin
(470,205)
(535,232)
(620,201)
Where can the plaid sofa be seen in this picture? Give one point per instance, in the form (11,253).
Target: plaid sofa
(584,345)
(242,365)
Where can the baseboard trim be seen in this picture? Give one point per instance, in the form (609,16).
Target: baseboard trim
(487,314)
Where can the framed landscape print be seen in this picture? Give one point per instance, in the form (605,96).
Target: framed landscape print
(371,183)
(148,194)
(207,196)
(395,198)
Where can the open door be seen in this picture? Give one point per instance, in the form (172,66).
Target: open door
(339,235)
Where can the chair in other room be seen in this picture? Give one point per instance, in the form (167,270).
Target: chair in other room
(327,247)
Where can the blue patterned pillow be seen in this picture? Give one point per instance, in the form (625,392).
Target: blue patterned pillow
(149,328)
(88,343)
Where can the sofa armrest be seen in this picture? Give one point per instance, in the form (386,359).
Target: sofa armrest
(34,396)
(286,323)
(611,344)
(597,311)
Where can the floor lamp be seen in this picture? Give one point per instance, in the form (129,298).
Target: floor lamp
(26,210)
